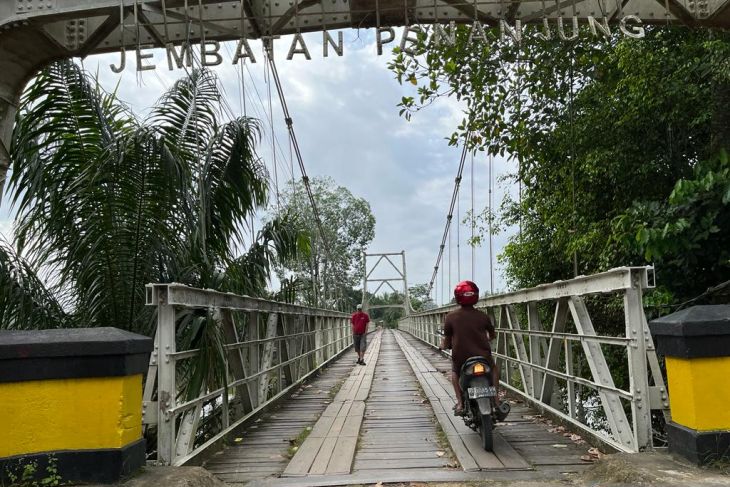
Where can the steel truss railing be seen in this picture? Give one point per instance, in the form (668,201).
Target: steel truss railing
(545,366)
(270,348)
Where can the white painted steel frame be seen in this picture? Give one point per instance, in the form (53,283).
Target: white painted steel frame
(299,340)
(402,277)
(536,353)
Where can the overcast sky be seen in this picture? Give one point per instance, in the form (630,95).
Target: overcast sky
(346,120)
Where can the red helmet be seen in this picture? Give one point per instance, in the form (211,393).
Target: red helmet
(466,293)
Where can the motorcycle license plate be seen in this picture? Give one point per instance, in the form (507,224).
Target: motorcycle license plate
(478,392)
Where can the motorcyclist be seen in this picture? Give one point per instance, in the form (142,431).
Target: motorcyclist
(467,332)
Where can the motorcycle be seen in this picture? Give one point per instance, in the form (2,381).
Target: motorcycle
(482,409)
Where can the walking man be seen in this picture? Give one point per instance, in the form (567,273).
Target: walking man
(359,322)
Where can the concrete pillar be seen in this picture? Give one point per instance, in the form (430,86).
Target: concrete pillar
(72,401)
(696,345)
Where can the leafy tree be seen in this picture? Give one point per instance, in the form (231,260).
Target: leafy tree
(592,128)
(420,297)
(677,233)
(334,264)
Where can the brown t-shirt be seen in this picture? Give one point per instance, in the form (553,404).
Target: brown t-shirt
(466,329)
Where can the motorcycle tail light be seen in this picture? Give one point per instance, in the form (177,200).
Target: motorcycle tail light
(479,369)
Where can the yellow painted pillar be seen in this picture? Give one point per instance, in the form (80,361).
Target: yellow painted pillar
(696,345)
(71,403)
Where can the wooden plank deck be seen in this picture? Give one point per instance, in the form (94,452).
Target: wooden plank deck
(263,447)
(399,430)
(381,426)
(544,450)
(464,442)
(330,447)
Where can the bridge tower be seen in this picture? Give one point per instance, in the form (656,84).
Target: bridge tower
(400,276)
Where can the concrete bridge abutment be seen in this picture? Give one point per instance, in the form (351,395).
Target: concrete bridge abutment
(72,404)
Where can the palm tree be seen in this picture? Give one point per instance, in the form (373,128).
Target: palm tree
(105,203)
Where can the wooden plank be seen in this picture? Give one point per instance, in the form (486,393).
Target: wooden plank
(351,427)
(322,427)
(341,463)
(302,461)
(357,409)
(464,442)
(379,455)
(333,409)
(485,460)
(434,462)
(463,455)
(319,466)
(338,425)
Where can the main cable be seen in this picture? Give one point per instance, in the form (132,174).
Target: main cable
(298,154)
(449,216)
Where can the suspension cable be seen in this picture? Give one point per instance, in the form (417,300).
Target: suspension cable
(298,154)
(267,80)
(473,246)
(450,214)
(458,238)
(489,219)
(451,246)
(442,285)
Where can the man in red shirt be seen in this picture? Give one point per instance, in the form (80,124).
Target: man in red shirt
(467,332)
(359,322)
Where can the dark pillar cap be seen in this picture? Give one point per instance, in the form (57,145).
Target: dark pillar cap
(696,332)
(72,353)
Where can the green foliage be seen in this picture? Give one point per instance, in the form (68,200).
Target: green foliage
(688,234)
(325,275)
(105,203)
(420,297)
(594,128)
(295,443)
(420,300)
(27,474)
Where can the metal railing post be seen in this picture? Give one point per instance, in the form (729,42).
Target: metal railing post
(167,387)
(638,370)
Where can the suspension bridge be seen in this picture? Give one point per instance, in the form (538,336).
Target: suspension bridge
(391,420)
(294,409)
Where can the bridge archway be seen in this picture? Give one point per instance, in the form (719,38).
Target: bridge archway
(33,33)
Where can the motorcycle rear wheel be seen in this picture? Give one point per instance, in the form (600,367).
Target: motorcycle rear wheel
(485,429)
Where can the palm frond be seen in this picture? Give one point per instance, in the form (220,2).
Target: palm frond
(25,302)
(233,183)
(280,240)
(98,196)
(188,114)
